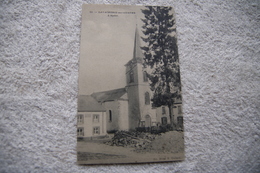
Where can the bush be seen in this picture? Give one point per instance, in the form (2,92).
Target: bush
(141,129)
(111,131)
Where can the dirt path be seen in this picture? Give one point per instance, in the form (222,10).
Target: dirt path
(102,148)
(97,152)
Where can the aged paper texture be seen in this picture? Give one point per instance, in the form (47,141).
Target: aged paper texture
(129,101)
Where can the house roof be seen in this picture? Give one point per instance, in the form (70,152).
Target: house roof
(87,103)
(110,95)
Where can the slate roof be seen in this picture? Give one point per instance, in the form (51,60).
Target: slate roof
(87,103)
(110,95)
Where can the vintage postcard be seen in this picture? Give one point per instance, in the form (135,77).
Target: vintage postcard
(129,101)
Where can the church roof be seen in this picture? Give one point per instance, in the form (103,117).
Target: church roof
(87,103)
(110,95)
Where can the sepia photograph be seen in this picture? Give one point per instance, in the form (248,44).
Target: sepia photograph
(129,100)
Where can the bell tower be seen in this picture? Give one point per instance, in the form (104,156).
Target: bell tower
(138,89)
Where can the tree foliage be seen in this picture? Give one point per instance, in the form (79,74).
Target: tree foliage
(161,54)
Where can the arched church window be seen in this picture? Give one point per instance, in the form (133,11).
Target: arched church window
(145,76)
(110,115)
(131,77)
(147,98)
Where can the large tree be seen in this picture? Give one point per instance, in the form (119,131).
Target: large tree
(161,56)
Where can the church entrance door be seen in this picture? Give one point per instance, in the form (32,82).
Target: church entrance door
(147,121)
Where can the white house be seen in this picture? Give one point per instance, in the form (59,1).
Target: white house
(91,117)
(163,117)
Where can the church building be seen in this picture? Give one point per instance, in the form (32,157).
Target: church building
(125,108)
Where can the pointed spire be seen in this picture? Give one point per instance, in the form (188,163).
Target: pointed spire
(138,54)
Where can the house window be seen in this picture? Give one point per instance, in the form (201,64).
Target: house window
(80,118)
(95,118)
(179,110)
(164,120)
(131,77)
(96,131)
(163,110)
(145,76)
(180,120)
(110,115)
(80,131)
(147,98)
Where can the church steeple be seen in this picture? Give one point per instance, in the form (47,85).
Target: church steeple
(138,88)
(138,54)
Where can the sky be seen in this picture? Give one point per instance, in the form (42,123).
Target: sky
(107,44)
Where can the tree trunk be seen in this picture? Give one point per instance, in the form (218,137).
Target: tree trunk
(171,115)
